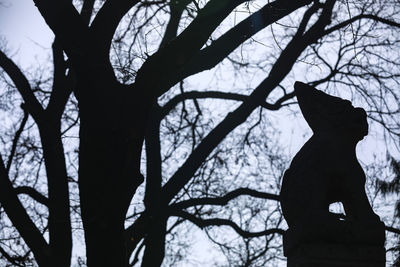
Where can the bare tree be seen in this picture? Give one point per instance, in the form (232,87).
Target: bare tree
(124,84)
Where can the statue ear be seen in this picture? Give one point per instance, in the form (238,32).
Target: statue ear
(321,111)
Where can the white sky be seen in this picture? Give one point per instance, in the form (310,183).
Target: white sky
(24,29)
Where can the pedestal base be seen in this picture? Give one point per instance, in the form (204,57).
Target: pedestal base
(336,255)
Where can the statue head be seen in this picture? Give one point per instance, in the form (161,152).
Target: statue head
(326,113)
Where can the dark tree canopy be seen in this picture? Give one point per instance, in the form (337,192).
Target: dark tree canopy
(154,119)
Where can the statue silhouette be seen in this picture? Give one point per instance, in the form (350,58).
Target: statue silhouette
(326,170)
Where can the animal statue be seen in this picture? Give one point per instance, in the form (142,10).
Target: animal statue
(326,170)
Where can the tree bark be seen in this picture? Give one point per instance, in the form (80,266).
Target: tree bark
(155,242)
(59,209)
(157,220)
(111,139)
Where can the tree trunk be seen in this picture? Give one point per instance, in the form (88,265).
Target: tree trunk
(111,139)
(157,221)
(155,243)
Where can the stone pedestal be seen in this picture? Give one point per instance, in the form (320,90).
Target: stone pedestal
(336,255)
(335,243)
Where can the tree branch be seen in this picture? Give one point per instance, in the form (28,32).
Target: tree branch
(33,194)
(136,232)
(62,83)
(87,10)
(220,201)
(176,10)
(21,82)
(60,234)
(172,57)
(12,259)
(15,140)
(153,160)
(279,103)
(107,20)
(21,220)
(281,68)
(210,56)
(214,94)
(70,29)
(392,229)
(359,17)
(202,223)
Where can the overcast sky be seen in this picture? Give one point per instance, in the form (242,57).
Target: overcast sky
(24,30)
